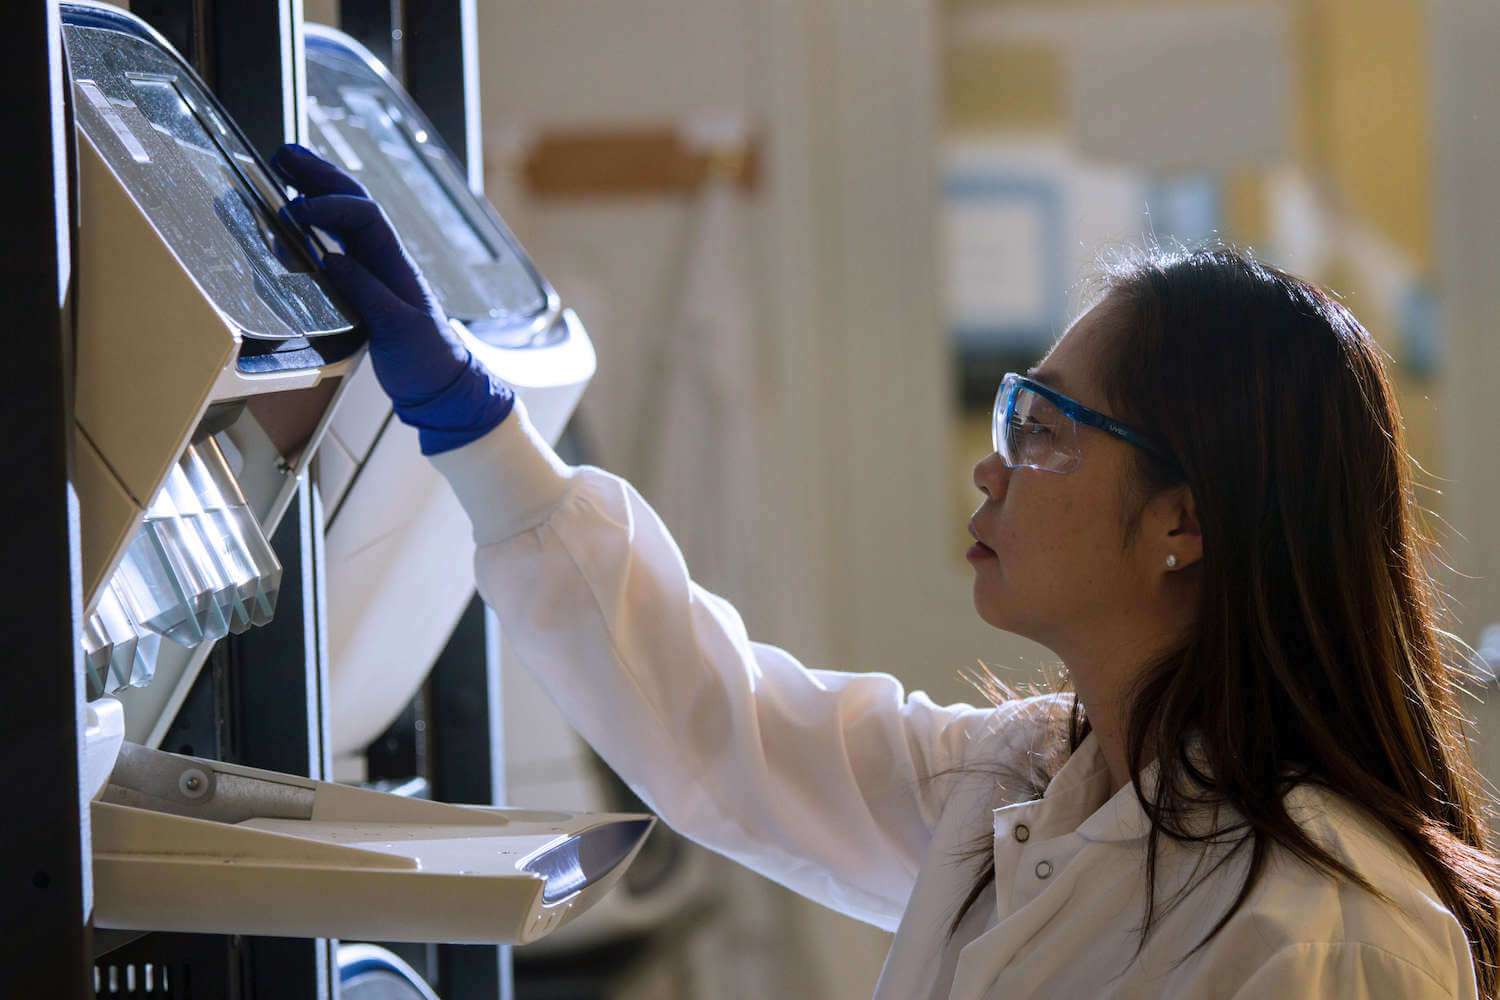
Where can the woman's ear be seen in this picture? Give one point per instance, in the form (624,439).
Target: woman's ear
(1181,535)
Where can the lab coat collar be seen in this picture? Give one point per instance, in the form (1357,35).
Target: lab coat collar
(1122,818)
(1077,799)
(1081,787)
(1083,776)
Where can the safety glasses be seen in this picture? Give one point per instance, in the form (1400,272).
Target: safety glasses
(1036,427)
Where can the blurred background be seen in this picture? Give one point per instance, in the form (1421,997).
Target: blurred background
(807,236)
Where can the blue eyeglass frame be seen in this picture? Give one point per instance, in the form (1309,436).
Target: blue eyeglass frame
(1083,415)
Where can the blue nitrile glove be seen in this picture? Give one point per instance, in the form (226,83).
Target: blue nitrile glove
(435,383)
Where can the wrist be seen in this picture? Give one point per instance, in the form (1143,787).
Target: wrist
(472,405)
(408,376)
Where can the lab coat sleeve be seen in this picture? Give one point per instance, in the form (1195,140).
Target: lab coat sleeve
(828,782)
(1345,970)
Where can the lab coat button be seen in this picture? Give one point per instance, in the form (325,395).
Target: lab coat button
(1022,832)
(1043,869)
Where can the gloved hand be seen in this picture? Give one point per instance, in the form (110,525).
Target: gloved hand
(434,382)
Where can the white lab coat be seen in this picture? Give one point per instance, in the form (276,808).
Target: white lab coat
(852,792)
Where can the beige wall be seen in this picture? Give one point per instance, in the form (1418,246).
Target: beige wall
(653,61)
(857,416)
(1466,164)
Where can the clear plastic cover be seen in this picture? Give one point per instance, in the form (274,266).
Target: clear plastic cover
(361,121)
(153,594)
(199,565)
(123,636)
(95,657)
(183,552)
(208,196)
(117,651)
(224,536)
(240,522)
(143,664)
(236,579)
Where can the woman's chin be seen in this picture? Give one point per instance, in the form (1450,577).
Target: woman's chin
(993,612)
(1004,614)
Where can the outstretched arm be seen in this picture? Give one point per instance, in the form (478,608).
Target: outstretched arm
(830,783)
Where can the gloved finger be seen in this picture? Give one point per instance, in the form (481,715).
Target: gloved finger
(367,236)
(310,174)
(412,355)
(352,218)
(376,304)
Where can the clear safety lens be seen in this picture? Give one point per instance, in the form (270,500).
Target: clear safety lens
(1029,431)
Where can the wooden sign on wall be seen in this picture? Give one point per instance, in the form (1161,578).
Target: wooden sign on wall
(622,162)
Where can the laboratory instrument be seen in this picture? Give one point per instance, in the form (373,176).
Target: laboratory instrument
(212,361)
(399,546)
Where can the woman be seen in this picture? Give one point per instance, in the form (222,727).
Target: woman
(1200,501)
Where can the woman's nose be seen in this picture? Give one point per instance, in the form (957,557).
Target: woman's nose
(991,475)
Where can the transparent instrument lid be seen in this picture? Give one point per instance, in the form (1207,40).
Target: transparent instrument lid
(238,531)
(236,581)
(362,121)
(183,550)
(212,201)
(153,593)
(118,652)
(199,567)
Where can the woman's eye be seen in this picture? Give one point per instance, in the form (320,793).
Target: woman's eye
(1034,428)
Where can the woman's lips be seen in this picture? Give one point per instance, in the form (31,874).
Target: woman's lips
(978,550)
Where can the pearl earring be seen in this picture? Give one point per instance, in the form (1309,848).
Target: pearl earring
(1171,561)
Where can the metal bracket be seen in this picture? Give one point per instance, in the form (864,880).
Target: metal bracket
(190,786)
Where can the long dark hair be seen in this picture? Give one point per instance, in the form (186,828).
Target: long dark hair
(1316,655)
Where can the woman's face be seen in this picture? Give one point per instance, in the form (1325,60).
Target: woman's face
(1060,568)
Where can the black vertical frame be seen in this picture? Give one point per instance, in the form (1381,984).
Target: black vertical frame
(249,52)
(440,52)
(463,706)
(442,73)
(45,891)
(261,699)
(431,45)
(277,705)
(465,764)
(257,67)
(377,25)
(277,686)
